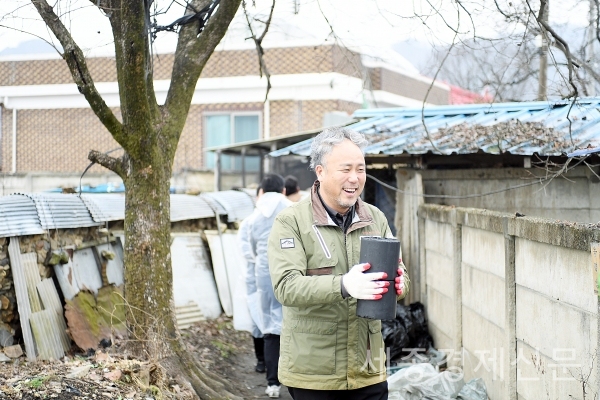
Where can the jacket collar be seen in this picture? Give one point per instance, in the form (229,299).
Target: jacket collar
(362,214)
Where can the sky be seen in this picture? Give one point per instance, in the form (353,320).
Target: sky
(374,24)
(363,21)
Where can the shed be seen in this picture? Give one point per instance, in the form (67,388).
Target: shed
(496,284)
(530,158)
(64,236)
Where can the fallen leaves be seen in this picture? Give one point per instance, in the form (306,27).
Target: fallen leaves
(13,351)
(497,138)
(97,377)
(111,374)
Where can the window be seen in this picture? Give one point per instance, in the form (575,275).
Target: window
(224,129)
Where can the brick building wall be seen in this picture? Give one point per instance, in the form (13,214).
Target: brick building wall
(56,140)
(59,140)
(5,139)
(53,71)
(402,85)
(290,116)
(293,60)
(374,79)
(346,62)
(189,151)
(285,117)
(411,87)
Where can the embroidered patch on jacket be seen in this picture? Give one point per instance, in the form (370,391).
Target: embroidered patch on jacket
(287,243)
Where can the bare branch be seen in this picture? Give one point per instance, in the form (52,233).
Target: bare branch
(586,67)
(117,165)
(460,4)
(268,23)
(79,70)
(433,80)
(455,30)
(262,65)
(32,34)
(191,55)
(561,44)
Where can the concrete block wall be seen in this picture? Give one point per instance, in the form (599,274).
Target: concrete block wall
(441,297)
(555,289)
(570,199)
(526,319)
(483,306)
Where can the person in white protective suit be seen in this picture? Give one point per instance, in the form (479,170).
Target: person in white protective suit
(250,281)
(265,310)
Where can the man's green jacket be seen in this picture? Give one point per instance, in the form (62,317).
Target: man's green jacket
(324,345)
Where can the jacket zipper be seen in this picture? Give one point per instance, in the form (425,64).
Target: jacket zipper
(322,242)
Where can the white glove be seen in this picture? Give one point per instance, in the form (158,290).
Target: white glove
(365,286)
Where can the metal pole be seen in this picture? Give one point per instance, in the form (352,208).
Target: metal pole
(267,120)
(272,160)
(261,166)
(14,141)
(218,170)
(243,167)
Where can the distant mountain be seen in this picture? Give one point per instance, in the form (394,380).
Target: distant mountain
(35,46)
(419,54)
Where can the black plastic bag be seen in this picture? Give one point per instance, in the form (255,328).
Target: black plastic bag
(419,336)
(407,332)
(395,337)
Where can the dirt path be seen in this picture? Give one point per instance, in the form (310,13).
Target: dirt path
(254,382)
(229,353)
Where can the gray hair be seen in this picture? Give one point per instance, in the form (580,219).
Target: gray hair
(323,143)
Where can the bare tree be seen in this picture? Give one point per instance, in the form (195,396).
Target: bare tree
(148,134)
(526,57)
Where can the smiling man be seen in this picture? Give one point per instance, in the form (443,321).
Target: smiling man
(327,351)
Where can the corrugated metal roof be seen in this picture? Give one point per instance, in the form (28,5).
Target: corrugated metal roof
(31,214)
(544,128)
(18,216)
(111,207)
(236,204)
(584,152)
(105,207)
(213,203)
(184,207)
(60,211)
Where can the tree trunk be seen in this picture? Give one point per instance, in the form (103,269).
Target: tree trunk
(149,133)
(149,305)
(148,277)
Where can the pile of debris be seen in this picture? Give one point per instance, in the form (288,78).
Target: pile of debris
(417,370)
(101,375)
(91,285)
(9,318)
(111,373)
